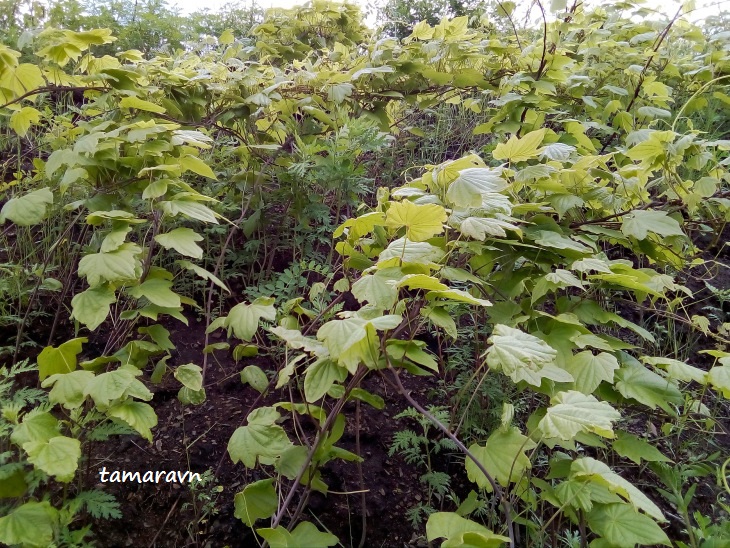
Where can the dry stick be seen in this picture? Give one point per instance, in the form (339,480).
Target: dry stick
(219,263)
(33,295)
(363,500)
(167,518)
(506,506)
(325,427)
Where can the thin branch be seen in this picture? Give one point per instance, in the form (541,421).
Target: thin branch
(496,488)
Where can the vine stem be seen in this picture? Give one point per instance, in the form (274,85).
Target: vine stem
(506,506)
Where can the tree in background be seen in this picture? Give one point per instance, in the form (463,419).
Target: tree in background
(231,16)
(399,16)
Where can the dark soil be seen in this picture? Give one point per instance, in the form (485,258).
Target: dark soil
(195,438)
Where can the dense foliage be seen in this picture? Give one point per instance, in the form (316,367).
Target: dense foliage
(526,213)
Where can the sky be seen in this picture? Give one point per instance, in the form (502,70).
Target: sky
(704,9)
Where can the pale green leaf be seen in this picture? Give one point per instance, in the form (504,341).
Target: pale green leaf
(521,356)
(119,265)
(183,241)
(377,289)
(520,149)
(455,528)
(27,210)
(68,388)
(472,184)
(589,469)
(637,449)
(59,360)
(30,525)
(260,440)
(589,370)
(403,250)
(635,381)
(420,221)
(141,104)
(624,527)
(678,370)
(320,376)
(640,222)
(480,228)
(304,534)
(258,500)
(58,456)
(196,165)
(254,376)
(157,291)
(190,375)
(243,319)
(138,415)
(35,427)
(572,412)
(503,456)
(22,119)
(91,307)
(719,379)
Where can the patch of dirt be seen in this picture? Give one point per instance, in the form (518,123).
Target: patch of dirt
(195,438)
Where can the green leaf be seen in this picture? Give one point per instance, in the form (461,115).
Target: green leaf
(503,456)
(157,291)
(473,184)
(68,388)
(636,449)
(461,532)
(403,250)
(304,534)
(91,307)
(589,469)
(27,210)
(420,221)
(523,357)
(113,385)
(377,289)
(640,222)
(572,413)
(119,265)
(190,375)
(58,456)
(635,381)
(589,370)
(243,319)
(719,379)
(254,376)
(678,370)
(22,119)
(258,500)
(480,228)
(624,527)
(186,396)
(30,525)
(183,241)
(200,271)
(60,360)
(520,149)
(320,376)
(35,427)
(189,208)
(196,165)
(260,439)
(440,318)
(138,415)
(141,104)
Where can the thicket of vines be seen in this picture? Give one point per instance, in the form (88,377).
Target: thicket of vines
(585,184)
